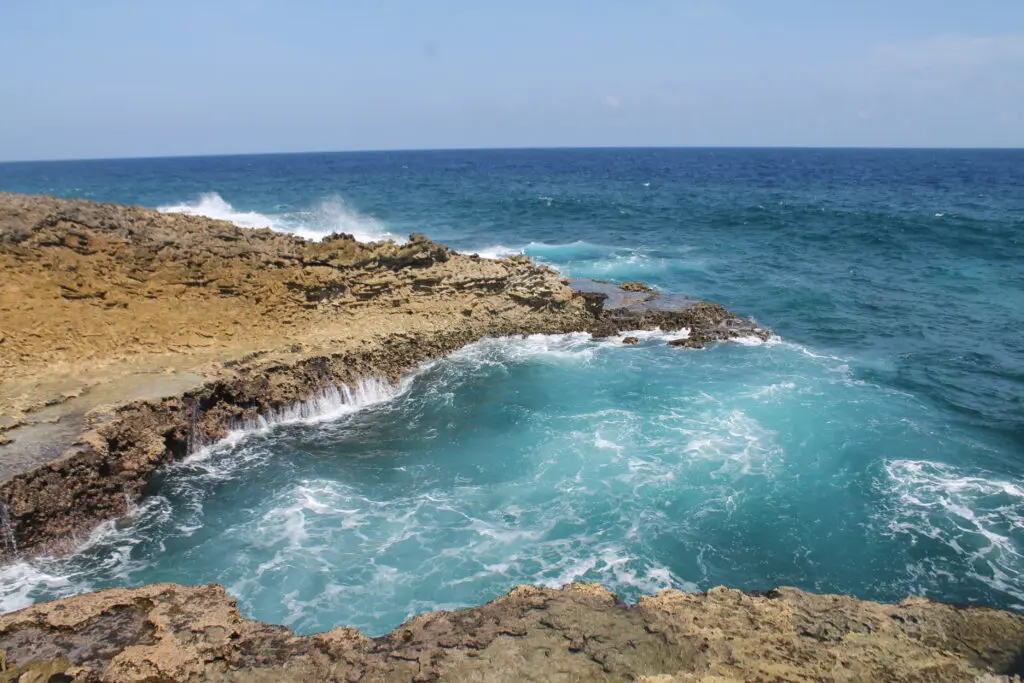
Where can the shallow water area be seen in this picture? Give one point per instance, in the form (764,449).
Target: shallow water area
(615,297)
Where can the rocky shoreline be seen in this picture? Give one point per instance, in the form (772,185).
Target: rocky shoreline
(130,338)
(166,632)
(343,312)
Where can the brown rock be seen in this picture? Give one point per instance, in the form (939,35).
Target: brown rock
(691,342)
(634,286)
(227,307)
(579,633)
(630,340)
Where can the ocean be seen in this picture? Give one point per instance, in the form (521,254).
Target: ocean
(874,446)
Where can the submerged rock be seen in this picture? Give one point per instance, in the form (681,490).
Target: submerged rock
(687,342)
(634,286)
(630,340)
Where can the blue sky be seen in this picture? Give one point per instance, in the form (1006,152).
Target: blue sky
(110,78)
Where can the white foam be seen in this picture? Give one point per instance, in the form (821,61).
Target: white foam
(21,579)
(329,403)
(733,440)
(212,205)
(574,346)
(749,341)
(335,215)
(611,564)
(984,514)
(574,570)
(55,577)
(771,390)
(655,335)
(329,216)
(533,249)
(774,340)
(601,442)
(939,477)
(498,251)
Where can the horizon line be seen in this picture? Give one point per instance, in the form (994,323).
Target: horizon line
(529,148)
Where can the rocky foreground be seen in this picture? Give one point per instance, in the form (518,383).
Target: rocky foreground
(166,632)
(129,338)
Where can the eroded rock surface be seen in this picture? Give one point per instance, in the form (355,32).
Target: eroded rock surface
(132,337)
(166,632)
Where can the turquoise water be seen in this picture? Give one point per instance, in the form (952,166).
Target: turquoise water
(874,447)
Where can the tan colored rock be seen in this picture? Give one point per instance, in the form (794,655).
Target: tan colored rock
(579,633)
(639,287)
(141,336)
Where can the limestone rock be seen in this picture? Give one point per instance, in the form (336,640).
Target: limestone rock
(634,286)
(579,633)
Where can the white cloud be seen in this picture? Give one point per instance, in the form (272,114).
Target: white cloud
(612,101)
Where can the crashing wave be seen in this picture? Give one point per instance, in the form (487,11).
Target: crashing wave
(329,216)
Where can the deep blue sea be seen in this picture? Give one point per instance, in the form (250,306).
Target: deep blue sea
(873,447)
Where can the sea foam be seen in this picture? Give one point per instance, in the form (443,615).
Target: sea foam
(328,216)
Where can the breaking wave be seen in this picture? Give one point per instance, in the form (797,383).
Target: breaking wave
(329,216)
(585,260)
(977,521)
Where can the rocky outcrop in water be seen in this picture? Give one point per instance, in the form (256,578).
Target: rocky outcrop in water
(166,632)
(634,286)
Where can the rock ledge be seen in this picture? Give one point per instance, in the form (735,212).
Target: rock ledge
(166,632)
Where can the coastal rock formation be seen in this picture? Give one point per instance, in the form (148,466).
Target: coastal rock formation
(131,338)
(166,632)
(634,286)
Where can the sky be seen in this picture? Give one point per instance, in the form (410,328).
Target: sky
(118,78)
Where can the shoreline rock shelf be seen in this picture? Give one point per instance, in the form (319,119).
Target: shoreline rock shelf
(216,325)
(131,338)
(165,632)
